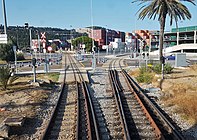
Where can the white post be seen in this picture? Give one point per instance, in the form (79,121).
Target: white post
(94,61)
(15,57)
(46,60)
(39,45)
(30,42)
(106,42)
(98,55)
(106,50)
(35,53)
(140,58)
(140,45)
(149,50)
(15,61)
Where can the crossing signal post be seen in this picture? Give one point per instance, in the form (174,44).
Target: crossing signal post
(94,58)
(43,40)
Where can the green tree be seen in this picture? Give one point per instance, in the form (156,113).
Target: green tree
(77,42)
(5,75)
(54,47)
(161,9)
(6,52)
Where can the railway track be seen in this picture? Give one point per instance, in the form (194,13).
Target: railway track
(140,119)
(73,116)
(168,131)
(124,113)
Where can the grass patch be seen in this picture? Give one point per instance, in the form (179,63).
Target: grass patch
(143,75)
(53,76)
(22,82)
(3,62)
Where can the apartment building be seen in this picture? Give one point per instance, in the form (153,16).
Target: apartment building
(102,35)
(182,39)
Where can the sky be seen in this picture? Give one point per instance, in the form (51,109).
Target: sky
(68,14)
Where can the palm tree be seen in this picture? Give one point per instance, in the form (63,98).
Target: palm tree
(161,9)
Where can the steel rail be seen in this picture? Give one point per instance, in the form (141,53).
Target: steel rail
(147,114)
(112,64)
(90,109)
(152,123)
(45,133)
(171,129)
(119,104)
(78,112)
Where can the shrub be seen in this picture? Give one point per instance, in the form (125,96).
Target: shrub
(20,56)
(5,75)
(157,68)
(145,78)
(167,68)
(6,52)
(145,75)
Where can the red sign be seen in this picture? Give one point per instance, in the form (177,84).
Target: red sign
(43,39)
(49,48)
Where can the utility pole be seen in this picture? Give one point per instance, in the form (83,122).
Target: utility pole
(92,22)
(106,42)
(4,16)
(30,38)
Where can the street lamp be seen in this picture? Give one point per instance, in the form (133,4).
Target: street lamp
(106,41)
(30,38)
(4,15)
(71,37)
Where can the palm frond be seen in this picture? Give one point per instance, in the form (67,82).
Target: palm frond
(161,8)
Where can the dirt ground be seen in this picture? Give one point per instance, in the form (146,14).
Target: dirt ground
(178,92)
(22,99)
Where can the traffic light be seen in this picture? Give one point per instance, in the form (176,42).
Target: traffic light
(26,25)
(34,61)
(163,59)
(143,54)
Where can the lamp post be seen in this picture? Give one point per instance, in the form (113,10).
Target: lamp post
(106,41)
(92,32)
(39,44)
(71,37)
(4,16)
(30,38)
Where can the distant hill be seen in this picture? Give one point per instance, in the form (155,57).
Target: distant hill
(20,35)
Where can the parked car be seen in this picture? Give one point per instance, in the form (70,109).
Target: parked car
(170,57)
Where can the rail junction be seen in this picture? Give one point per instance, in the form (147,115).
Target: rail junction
(120,111)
